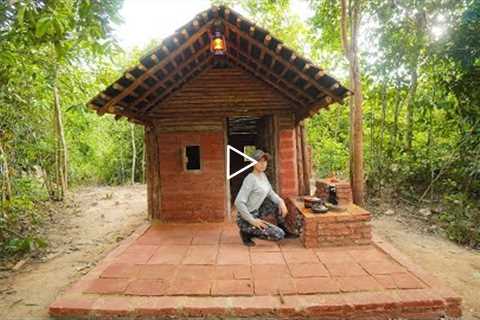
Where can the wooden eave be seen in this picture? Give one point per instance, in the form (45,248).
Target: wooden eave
(185,54)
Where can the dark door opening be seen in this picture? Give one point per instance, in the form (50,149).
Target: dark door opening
(247,134)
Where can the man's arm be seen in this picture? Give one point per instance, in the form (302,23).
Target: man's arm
(242,198)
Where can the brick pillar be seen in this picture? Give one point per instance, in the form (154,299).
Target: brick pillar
(288,163)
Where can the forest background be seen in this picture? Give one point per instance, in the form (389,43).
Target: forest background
(420,86)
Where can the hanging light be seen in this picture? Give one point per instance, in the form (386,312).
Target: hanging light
(217,43)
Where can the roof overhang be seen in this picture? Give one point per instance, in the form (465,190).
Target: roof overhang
(183,55)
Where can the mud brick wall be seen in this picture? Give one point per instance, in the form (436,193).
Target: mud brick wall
(343,190)
(350,227)
(192,195)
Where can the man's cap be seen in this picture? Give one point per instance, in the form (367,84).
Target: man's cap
(259,154)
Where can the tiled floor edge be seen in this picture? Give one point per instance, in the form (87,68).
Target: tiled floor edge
(453,299)
(182,307)
(122,245)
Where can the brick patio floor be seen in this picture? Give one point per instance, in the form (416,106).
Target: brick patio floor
(192,270)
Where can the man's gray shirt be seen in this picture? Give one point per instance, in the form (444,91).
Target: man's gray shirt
(254,190)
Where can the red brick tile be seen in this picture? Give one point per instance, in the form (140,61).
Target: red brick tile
(269,271)
(189,287)
(196,272)
(307,270)
(370,300)
(382,267)
(72,307)
(120,270)
(406,281)
(150,240)
(231,272)
(141,249)
(158,306)
(207,238)
(230,238)
(201,255)
(386,281)
(205,307)
(325,305)
(291,245)
(344,269)
(232,288)
(178,240)
(265,246)
(147,288)
(368,254)
(334,256)
(173,254)
(316,285)
(273,286)
(233,256)
(133,258)
(358,283)
(267,258)
(256,306)
(112,306)
(107,286)
(418,298)
(156,271)
(305,256)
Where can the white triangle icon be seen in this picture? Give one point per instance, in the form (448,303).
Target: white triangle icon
(254,162)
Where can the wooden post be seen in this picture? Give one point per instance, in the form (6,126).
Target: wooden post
(153,173)
(307,174)
(275,151)
(300,174)
(228,198)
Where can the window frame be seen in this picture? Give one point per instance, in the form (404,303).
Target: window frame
(185,158)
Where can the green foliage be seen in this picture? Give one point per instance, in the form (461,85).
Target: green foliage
(20,219)
(67,44)
(444,158)
(461,219)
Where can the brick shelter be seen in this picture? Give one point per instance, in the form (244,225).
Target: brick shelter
(194,101)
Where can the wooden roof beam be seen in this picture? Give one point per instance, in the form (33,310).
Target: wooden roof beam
(140,79)
(298,92)
(160,84)
(303,76)
(313,109)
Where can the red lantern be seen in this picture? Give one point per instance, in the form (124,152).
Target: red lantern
(218,44)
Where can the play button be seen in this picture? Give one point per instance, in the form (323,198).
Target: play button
(230,148)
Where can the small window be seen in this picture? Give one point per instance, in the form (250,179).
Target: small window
(192,154)
(249,151)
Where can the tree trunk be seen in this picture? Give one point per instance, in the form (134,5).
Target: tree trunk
(356,127)
(134,152)
(60,139)
(420,29)
(410,106)
(396,113)
(6,184)
(382,134)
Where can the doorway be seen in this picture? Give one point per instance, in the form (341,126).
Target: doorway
(246,134)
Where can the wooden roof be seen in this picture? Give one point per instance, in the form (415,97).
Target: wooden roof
(185,54)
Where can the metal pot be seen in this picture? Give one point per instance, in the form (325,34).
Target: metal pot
(309,200)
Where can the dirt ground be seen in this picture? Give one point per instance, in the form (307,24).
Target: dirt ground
(80,234)
(90,225)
